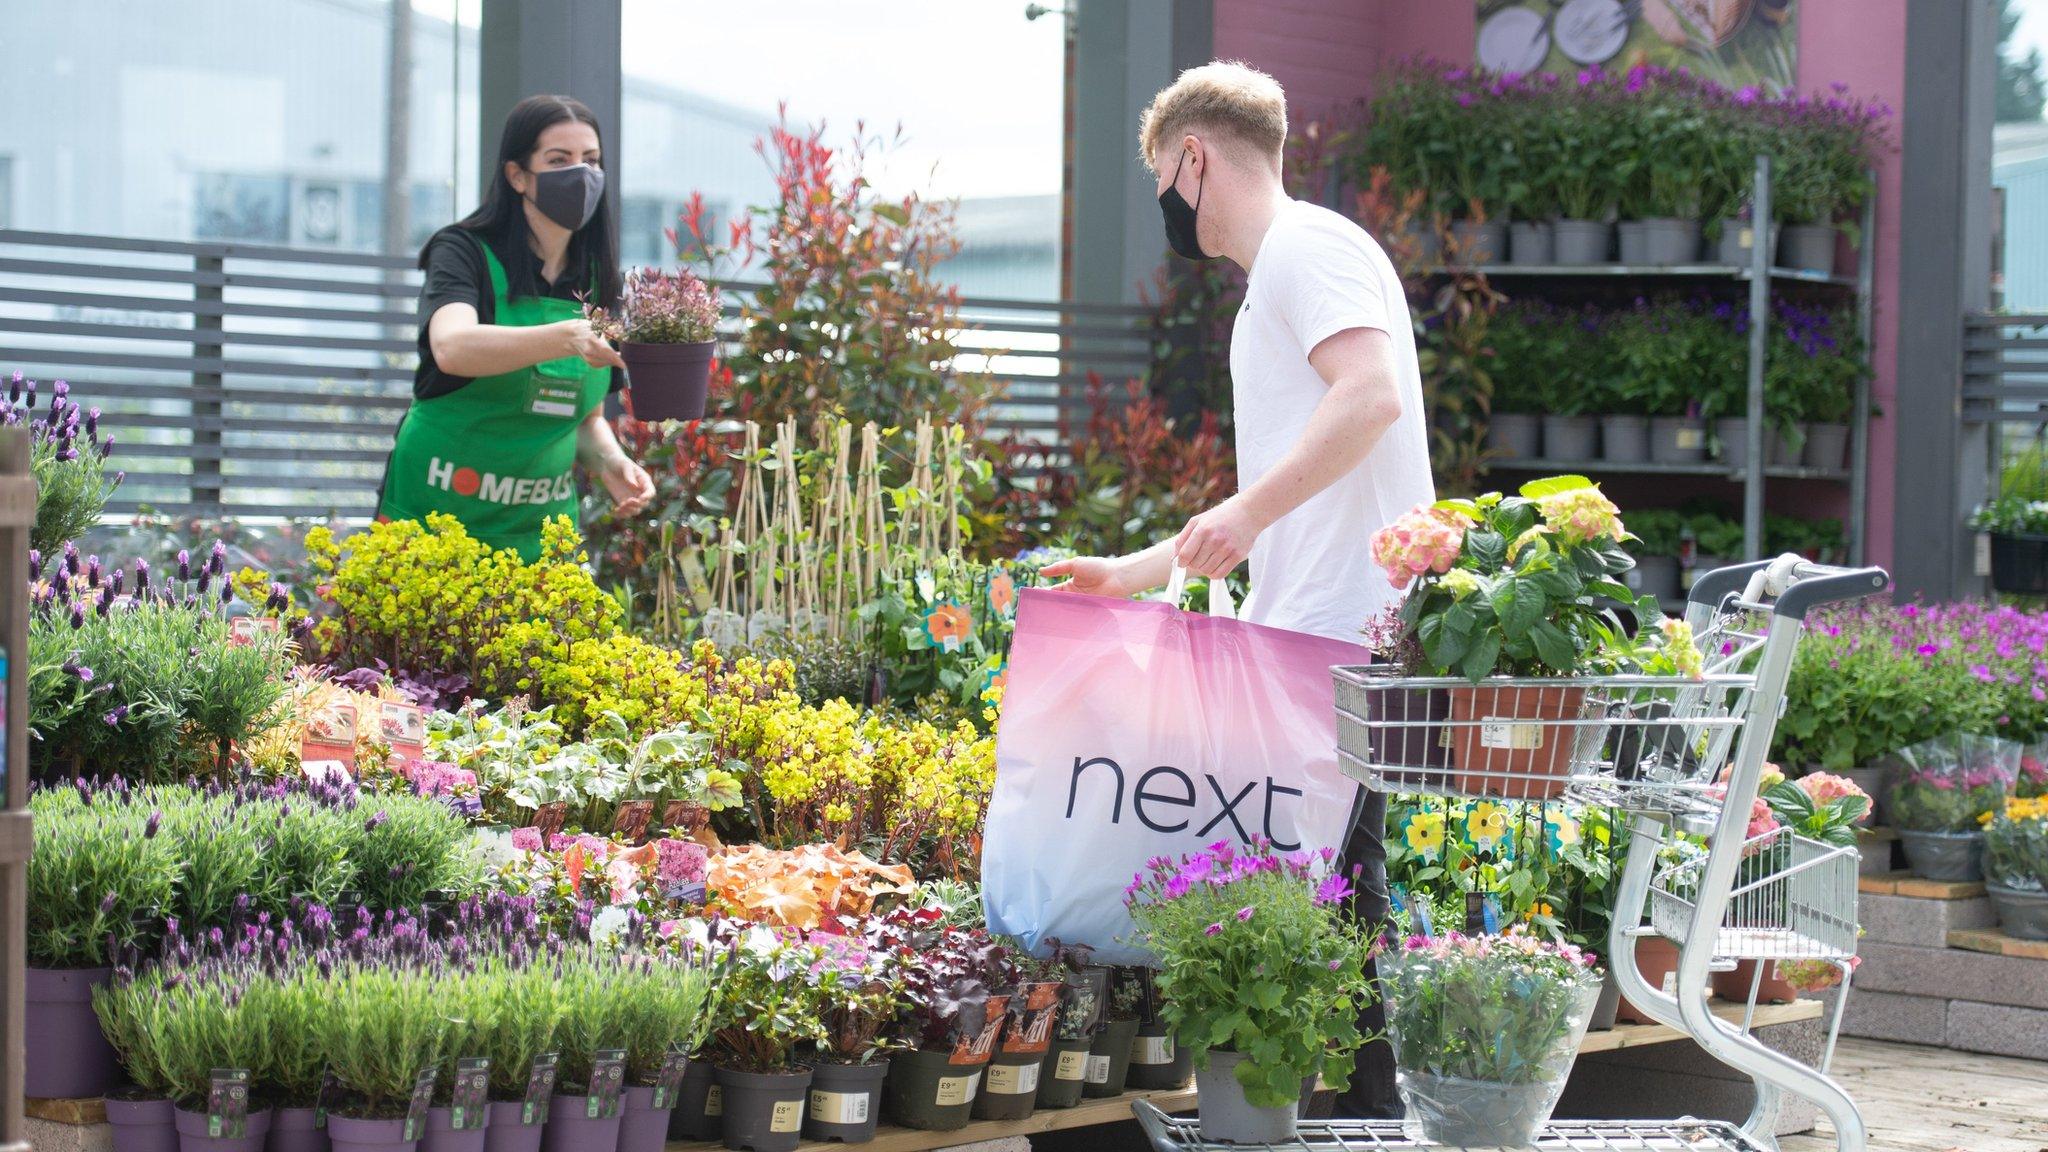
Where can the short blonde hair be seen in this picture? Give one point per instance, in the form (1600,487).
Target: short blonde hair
(1232,100)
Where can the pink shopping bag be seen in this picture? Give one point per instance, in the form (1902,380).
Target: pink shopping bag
(1133,730)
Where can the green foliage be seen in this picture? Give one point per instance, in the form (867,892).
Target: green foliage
(1138,475)
(94,869)
(2016,845)
(209,1020)
(770,1000)
(1657,532)
(518,1013)
(131,1014)
(661,1006)
(1502,1009)
(1553,360)
(383,1027)
(294,1061)
(153,691)
(1262,962)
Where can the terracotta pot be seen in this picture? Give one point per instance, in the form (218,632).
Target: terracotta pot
(1734,986)
(1656,958)
(1498,748)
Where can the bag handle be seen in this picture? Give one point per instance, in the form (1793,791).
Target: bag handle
(1220,605)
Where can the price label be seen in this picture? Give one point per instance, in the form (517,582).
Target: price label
(839,1107)
(1689,438)
(1098,1069)
(540,1088)
(714,1100)
(957,1089)
(787,1117)
(1496,733)
(1012,1079)
(227,1104)
(1074,1066)
(1983,561)
(1152,1050)
(472,1088)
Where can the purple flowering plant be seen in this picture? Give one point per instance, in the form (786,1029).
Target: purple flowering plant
(1259,955)
(67,457)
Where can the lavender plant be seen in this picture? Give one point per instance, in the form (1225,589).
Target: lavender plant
(99,869)
(68,458)
(383,1027)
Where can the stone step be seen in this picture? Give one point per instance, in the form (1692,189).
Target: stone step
(1998,1029)
(1997,943)
(1907,884)
(1893,1016)
(1918,921)
(1952,973)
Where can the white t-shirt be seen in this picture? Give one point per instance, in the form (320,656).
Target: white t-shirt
(1318,274)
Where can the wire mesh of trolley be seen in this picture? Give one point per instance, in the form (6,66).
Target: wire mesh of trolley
(1683,758)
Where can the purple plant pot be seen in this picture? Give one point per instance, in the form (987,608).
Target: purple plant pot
(441,1135)
(643,1128)
(571,1129)
(668,381)
(507,1133)
(296,1130)
(192,1135)
(143,1125)
(349,1134)
(68,1058)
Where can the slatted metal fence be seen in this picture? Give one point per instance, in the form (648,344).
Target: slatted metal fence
(261,381)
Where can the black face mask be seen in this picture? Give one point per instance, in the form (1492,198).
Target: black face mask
(1180,216)
(569,196)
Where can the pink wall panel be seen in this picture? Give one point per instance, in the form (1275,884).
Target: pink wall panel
(1324,52)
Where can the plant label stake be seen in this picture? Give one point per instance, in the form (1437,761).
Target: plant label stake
(607,1082)
(670,1077)
(329,1088)
(422,1099)
(227,1104)
(472,1083)
(540,1085)
(629,825)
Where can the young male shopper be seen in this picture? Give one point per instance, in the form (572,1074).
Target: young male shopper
(1327,401)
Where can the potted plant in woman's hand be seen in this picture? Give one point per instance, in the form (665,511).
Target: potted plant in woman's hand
(769,1005)
(98,872)
(1263,972)
(667,332)
(1485,1030)
(860,990)
(1524,586)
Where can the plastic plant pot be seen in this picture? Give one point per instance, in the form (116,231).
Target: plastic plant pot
(1624,438)
(571,1127)
(509,1130)
(1658,576)
(929,1092)
(68,1058)
(642,1127)
(764,1111)
(192,1135)
(1227,1117)
(2022,915)
(351,1134)
(668,381)
(1635,242)
(845,1102)
(1578,242)
(1731,438)
(1460,1113)
(1827,446)
(143,1125)
(1514,435)
(1605,1007)
(297,1130)
(1677,440)
(1009,1087)
(1956,857)
(1808,247)
(699,1113)
(1737,240)
(1531,242)
(1157,1063)
(1063,1073)
(1671,241)
(1109,1059)
(1570,438)
(1479,243)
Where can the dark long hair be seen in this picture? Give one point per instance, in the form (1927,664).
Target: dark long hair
(501,218)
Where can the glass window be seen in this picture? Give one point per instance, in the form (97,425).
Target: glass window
(6,191)
(226,206)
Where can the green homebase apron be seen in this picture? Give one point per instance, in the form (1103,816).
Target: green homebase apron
(498,453)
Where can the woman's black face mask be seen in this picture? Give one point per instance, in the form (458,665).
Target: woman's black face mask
(1180,215)
(569,196)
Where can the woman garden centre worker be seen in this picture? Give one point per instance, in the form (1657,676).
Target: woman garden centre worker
(509,396)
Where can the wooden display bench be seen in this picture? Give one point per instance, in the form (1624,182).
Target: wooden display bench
(1907,884)
(1996,943)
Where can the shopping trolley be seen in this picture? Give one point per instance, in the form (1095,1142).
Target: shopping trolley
(1683,757)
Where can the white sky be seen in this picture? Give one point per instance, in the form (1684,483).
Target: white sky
(2033,29)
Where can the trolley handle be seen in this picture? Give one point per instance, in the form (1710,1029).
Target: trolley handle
(1795,586)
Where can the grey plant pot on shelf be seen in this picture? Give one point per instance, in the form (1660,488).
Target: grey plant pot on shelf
(1670,241)
(1581,241)
(2022,914)
(1827,446)
(1635,242)
(1658,576)
(1950,856)
(1480,243)
(1808,247)
(1531,242)
(1786,446)
(1515,435)
(1738,237)
(1570,437)
(1731,440)
(1677,440)
(1428,244)
(1624,438)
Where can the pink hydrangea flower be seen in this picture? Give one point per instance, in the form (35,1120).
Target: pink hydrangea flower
(1579,515)
(1424,539)
(526,839)
(1825,788)
(678,862)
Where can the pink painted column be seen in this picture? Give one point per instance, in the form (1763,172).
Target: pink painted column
(1326,52)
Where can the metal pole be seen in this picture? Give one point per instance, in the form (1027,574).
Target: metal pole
(1759,333)
(209,342)
(1859,427)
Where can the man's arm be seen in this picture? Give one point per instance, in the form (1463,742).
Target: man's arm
(1362,403)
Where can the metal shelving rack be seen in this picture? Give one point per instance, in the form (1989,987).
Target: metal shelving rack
(1760,274)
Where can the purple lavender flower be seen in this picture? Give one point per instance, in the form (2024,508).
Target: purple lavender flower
(184,565)
(217,560)
(115,715)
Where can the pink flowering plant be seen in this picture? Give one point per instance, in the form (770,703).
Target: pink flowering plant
(1939,798)
(1257,955)
(662,308)
(1820,806)
(1505,1009)
(1518,585)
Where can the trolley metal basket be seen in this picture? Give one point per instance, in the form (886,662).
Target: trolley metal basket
(1683,756)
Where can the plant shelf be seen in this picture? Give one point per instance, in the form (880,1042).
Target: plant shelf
(1168,1133)
(1694,271)
(1704,468)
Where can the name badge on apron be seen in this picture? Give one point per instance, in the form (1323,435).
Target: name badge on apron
(554,388)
